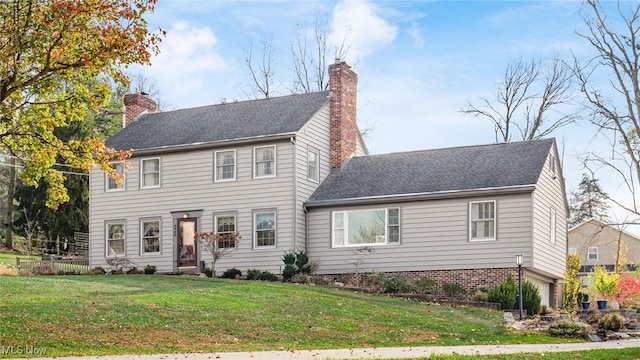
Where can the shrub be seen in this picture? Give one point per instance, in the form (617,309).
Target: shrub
(253,274)
(207,271)
(268,276)
(98,270)
(426,286)
(150,269)
(231,273)
(301,279)
(296,263)
(545,310)
(454,292)
(570,329)
(480,295)
(504,293)
(134,270)
(394,284)
(629,286)
(612,321)
(288,272)
(530,298)
(603,283)
(572,284)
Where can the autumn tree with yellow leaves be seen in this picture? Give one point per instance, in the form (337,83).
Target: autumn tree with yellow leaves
(50,50)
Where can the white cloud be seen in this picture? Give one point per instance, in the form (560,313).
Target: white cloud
(186,65)
(359,25)
(416,34)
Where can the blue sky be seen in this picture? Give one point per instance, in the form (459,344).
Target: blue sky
(418,62)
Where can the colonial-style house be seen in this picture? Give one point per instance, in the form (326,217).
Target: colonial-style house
(599,243)
(293,173)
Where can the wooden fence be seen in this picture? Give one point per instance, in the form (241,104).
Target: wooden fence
(52,265)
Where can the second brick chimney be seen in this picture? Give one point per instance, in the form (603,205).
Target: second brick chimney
(343,83)
(136,104)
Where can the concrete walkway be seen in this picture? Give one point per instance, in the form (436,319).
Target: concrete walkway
(375,353)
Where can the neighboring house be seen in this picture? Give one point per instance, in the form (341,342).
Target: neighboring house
(293,173)
(599,243)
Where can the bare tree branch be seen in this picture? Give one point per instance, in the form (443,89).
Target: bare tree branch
(529,101)
(615,105)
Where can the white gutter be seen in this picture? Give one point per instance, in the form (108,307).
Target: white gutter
(422,196)
(211,144)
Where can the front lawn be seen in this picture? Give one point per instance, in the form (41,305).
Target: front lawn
(132,314)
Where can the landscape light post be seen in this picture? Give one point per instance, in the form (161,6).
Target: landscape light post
(519,263)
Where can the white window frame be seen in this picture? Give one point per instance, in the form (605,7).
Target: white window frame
(589,253)
(108,180)
(235,228)
(552,226)
(144,236)
(313,174)
(108,239)
(256,162)
(552,165)
(255,229)
(340,228)
(472,221)
(142,173)
(216,165)
(571,251)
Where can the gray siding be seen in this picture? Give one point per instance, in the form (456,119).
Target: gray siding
(314,134)
(433,236)
(549,257)
(187,185)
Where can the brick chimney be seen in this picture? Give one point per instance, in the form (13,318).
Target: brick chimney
(136,104)
(343,83)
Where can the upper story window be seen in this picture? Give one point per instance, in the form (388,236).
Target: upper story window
(313,168)
(592,253)
(264,229)
(571,251)
(482,220)
(150,173)
(225,226)
(150,237)
(552,165)
(115,238)
(112,184)
(225,165)
(366,227)
(265,161)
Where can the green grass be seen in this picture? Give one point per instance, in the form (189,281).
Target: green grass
(127,314)
(9,259)
(601,354)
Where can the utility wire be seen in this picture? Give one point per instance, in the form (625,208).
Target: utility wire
(62,171)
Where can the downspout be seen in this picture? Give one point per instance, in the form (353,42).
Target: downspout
(295,191)
(306,229)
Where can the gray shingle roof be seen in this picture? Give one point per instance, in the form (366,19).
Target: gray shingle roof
(231,121)
(434,171)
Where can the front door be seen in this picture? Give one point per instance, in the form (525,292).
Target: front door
(187,250)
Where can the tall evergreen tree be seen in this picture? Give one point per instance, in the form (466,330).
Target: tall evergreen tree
(588,201)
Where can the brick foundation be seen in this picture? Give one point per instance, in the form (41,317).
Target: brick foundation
(469,279)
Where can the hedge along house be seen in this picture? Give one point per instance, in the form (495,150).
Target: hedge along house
(293,173)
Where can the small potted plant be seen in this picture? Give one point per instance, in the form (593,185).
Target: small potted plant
(584,300)
(606,285)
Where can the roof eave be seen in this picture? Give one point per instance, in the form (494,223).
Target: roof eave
(212,144)
(421,196)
